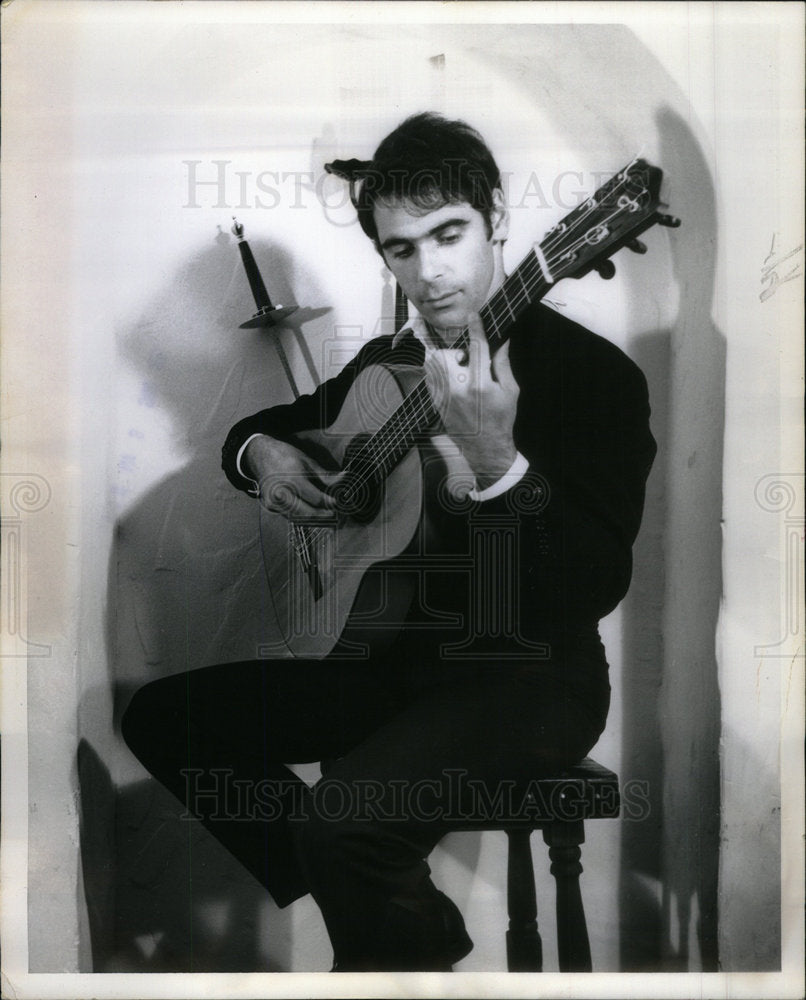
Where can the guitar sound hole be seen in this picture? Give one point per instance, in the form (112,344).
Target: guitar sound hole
(359,493)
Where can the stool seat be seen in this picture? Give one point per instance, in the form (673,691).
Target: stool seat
(557,805)
(585,791)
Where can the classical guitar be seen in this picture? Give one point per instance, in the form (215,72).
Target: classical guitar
(316,572)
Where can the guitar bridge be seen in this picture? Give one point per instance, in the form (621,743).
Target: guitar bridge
(315,580)
(307,557)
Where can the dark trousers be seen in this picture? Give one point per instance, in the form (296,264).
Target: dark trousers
(415,744)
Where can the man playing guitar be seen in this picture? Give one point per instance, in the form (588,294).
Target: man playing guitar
(533,473)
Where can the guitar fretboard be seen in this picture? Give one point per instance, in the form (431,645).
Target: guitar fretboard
(412,418)
(621,209)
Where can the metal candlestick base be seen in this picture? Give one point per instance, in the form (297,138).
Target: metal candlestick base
(268,316)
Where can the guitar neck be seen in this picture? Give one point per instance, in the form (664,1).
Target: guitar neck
(526,284)
(584,240)
(416,413)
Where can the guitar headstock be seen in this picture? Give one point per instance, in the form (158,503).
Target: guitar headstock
(623,208)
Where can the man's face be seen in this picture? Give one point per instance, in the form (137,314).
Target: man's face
(444,260)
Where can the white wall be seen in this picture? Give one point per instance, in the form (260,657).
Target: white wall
(124,319)
(761,655)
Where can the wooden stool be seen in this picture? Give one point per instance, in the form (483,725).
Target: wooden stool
(558,807)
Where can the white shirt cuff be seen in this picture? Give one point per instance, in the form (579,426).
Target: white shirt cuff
(513,475)
(253,490)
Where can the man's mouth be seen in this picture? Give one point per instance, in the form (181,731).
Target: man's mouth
(442,301)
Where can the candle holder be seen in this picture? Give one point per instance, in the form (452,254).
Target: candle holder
(267,314)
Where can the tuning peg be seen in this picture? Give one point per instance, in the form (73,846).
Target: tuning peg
(606,269)
(636,246)
(668,220)
(348,169)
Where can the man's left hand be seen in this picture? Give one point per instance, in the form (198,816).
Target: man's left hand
(477,399)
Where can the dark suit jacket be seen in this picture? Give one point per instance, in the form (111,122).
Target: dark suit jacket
(583,425)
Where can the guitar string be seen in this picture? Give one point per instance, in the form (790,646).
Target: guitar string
(414,407)
(389,433)
(561,235)
(621,179)
(380,448)
(508,295)
(402,425)
(417,405)
(399,429)
(515,297)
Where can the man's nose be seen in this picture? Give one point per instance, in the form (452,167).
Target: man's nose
(430,265)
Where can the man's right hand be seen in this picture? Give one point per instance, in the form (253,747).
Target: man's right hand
(290,483)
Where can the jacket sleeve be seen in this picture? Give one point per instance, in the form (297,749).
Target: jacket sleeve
(583,425)
(318,409)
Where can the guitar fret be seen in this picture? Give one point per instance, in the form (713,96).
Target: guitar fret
(523,283)
(508,304)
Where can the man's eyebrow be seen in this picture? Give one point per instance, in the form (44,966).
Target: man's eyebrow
(447,224)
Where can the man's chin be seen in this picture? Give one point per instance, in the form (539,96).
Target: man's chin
(447,320)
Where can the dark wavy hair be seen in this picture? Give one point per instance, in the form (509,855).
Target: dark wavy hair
(429,161)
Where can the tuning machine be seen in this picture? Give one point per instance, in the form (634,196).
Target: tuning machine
(606,269)
(670,221)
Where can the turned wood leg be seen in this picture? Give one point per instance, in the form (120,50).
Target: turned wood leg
(524,947)
(563,840)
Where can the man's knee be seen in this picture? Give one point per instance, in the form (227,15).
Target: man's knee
(150,710)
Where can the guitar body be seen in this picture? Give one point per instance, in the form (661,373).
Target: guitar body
(313,603)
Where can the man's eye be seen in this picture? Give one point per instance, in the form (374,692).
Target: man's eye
(402,253)
(450,237)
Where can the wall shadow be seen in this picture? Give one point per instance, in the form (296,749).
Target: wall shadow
(640,909)
(186,588)
(162,895)
(668,890)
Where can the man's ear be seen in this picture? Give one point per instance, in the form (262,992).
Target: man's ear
(499,217)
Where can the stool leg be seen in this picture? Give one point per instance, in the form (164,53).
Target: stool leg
(573,946)
(524,947)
